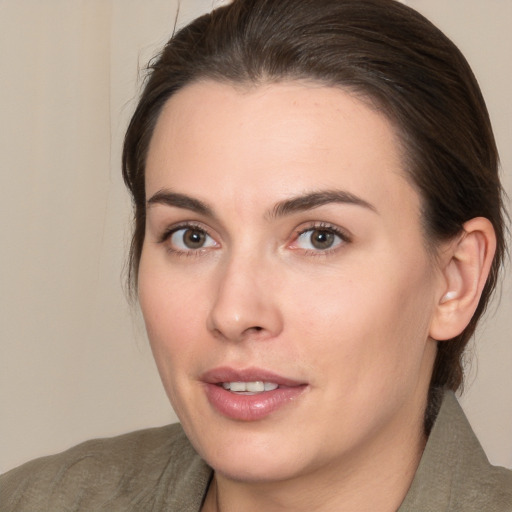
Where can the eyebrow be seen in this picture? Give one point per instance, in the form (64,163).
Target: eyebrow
(169,198)
(283,208)
(316,199)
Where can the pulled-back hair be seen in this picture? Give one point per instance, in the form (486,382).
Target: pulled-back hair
(380,50)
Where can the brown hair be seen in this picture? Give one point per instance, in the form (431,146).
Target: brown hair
(382,51)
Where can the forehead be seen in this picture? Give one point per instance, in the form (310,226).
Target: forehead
(264,143)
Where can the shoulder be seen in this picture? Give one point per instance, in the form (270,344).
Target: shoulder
(499,484)
(141,470)
(486,488)
(481,486)
(454,472)
(476,484)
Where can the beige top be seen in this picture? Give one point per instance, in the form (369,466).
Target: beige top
(158,470)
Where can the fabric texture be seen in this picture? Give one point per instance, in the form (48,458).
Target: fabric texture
(454,474)
(158,470)
(148,470)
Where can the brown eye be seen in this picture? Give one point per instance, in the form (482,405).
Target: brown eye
(193,238)
(322,239)
(190,239)
(319,239)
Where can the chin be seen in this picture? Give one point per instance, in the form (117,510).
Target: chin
(246,452)
(257,468)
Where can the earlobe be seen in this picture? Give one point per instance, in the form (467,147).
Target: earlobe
(466,265)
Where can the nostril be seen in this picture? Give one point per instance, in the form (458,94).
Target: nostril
(256,328)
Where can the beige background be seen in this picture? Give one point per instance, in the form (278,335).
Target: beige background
(74,362)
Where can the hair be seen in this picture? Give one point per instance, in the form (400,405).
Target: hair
(380,50)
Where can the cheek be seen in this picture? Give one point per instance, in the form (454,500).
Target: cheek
(170,312)
(367,323)
(173,313)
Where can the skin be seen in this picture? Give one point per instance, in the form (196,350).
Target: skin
(352,321)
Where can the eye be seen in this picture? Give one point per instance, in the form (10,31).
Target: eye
(190,238)
(320,239)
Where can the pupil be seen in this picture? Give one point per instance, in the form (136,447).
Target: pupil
(321,239)
(193,239)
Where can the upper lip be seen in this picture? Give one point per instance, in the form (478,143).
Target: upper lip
(227,374)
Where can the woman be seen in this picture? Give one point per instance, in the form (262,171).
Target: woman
(318,229)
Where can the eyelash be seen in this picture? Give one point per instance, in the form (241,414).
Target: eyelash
(167,234)
(323,226)
(320,226)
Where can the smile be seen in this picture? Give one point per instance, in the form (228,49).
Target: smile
(250,394)
(253,387)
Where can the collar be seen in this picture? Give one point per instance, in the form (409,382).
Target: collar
(454,473)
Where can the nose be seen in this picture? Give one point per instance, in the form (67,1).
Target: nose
(244,304)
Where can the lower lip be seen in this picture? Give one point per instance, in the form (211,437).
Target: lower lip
(250,407)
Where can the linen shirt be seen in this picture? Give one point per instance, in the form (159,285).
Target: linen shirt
(158,470)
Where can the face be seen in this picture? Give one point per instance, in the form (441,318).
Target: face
(284,280)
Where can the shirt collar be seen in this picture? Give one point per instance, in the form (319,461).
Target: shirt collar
(453,460)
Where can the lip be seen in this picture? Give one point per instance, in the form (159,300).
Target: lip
(249,407)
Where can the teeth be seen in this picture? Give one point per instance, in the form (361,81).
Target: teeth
(237,386)
(257,386)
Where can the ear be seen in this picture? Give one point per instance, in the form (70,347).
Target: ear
(465,265)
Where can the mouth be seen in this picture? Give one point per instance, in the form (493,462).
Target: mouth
(255,387)
(248,380)
(250,394)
